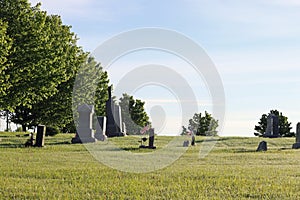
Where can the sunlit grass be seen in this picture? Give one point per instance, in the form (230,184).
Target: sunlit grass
(232,170)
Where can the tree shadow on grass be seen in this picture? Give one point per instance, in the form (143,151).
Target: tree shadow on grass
(212,140)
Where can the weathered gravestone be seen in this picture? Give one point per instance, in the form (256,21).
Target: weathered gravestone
(272,130)
(262,146)
(151,140)
(186,143)
(193,140)
(114,123)
(297,144)
(85,132)
(40,136)
(101,128)
(30,141)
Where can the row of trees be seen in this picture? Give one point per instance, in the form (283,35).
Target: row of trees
(39,61)
(206,125)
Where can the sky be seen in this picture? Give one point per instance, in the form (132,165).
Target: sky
(255,46)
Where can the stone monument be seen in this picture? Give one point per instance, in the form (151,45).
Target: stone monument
(186,143)
(262,146)
(114,123)
(272,130)
(40,136)
(85,132)
(297,144)
(101,128)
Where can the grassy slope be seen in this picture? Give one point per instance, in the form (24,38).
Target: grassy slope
(233,170)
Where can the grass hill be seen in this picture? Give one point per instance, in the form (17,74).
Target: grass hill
(232,170)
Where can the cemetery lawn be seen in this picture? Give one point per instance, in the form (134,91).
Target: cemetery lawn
(232,170)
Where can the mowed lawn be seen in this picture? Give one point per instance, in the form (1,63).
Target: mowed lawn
(232,170)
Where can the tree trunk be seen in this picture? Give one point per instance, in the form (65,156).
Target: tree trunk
(7,121)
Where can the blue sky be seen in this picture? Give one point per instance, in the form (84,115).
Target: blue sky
(255,46)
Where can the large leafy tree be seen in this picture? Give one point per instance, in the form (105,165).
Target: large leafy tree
(284,125)
(133,114)
(56,111)
(43,59)
(5,50)
(200,124)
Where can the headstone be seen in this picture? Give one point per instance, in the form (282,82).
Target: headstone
(262,146)
(151,138)
(40,136)
(101,128)
(124,129)
(85,132)
(297,144)
(186,143)
(193,140)
(30,141)
(114,123)
(272,130)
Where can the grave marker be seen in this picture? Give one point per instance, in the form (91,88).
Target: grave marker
(297,144)
(40,136)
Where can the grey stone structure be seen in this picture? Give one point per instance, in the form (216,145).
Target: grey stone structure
(114,123)
(297,144)
(262,146)
(85,132)
(101,128)
(272,130)
(151,140)
(186,143)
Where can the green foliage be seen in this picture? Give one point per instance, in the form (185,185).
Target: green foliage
(91,87)
(5,50)
(51,131)
(133,114)
(43,61)
(202,125)
(284,125)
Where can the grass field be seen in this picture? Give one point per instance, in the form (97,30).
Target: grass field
(232,170)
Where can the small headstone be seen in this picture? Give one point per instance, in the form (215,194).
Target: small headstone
(30,141)
(101,128)
(186,143)
(272,130)
(297,144)
(40,135)
(193,140)
(151,140)
(262,146)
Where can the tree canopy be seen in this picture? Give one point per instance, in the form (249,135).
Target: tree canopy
(133,114)
(39,60)
(200,124)
(284,125)
(43,54)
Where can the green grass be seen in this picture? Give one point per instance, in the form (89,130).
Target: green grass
(232,170)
